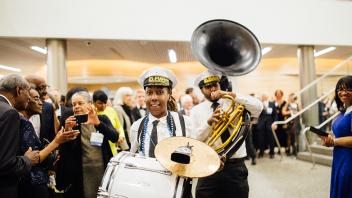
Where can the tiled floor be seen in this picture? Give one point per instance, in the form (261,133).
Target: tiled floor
(272,178)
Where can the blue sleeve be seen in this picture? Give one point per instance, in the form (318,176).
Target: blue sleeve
(28,137)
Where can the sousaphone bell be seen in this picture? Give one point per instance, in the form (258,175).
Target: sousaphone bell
(233,50)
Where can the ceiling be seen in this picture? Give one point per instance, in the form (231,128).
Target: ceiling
(16,52)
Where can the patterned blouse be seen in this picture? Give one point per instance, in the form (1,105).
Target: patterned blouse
(38,174)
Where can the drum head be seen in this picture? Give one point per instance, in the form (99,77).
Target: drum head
(204,160)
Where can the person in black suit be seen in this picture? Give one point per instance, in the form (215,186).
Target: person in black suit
(13,94)
(140,110)
(48,121)
(265,121)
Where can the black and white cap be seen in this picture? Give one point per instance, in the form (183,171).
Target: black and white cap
(207,78)
(157,76)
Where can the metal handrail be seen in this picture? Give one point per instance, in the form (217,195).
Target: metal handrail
(295,116)
(318,127)
(323,76)
(310,105)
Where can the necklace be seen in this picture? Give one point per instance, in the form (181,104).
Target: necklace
(170,127)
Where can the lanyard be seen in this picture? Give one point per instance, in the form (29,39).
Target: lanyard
(170,127)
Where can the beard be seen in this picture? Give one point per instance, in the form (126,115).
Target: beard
(208,97)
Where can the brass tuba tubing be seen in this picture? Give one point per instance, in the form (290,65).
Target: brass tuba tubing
(233,50)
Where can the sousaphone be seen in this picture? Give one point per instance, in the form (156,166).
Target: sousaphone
(233,50)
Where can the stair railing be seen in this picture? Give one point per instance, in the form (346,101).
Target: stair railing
(295,116)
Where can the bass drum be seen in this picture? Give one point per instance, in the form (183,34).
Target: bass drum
(129,175)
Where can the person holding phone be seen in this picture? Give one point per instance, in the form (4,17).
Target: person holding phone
(83,160)
(341,140)
(35,183)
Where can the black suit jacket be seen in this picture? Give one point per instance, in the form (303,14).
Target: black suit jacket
(47,126)
(265,118)
(135,114)
(12,167)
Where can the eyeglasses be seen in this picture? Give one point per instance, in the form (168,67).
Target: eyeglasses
(42,87)
(344,89)
(36,99)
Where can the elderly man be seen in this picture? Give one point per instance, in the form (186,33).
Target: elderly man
(13,94)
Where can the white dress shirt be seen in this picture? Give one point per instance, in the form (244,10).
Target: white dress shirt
(35,120)
(162,130)
(203,111)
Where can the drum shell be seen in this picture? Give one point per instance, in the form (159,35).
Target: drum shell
(133,176)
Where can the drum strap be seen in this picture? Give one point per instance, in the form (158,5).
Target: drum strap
(182,123)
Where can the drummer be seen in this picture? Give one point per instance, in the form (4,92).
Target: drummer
(162,120)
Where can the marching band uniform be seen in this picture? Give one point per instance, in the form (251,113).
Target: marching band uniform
(167,126)
(232,179)
(149,130)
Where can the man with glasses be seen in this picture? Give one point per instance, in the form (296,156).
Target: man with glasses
(13,95)
(46,125)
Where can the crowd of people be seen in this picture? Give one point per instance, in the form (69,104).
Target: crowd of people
(52,143)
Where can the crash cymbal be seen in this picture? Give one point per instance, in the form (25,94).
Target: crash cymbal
(204,161)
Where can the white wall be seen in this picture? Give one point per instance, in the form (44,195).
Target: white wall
(273,21)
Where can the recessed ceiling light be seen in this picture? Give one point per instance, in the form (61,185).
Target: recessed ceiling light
(266,50)
(10,68)
(172,56)
(324,51)
(39,49)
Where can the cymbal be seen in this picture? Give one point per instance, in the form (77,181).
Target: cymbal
(204,160)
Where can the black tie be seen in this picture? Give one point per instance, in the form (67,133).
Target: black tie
(215,105)
(226,134)
(153,139)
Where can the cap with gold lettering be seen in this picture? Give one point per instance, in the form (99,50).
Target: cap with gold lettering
(207,78)
(157,76)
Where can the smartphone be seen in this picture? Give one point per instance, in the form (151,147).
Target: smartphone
(318,131)
(73,132)
(81,118)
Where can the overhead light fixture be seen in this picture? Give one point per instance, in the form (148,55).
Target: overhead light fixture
(10,68)
(324,51)
(39,49)
(172,56)
(266,50)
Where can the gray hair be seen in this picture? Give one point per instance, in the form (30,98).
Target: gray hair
(186,98)
(84,94)
(120,93)
(10,82)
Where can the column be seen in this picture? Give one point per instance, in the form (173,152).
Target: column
(56,64)
(307,74)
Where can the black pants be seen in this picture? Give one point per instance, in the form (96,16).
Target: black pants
(249,144)
(10,191)
(230,182)
(265,134)
(34,191)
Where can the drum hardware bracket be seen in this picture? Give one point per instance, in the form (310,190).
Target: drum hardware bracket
(133,166)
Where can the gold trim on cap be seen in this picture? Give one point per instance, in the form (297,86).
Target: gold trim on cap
(158,80)
(211,79)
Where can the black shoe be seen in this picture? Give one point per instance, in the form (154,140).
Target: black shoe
(260,155)
(271,156)
(254,161)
